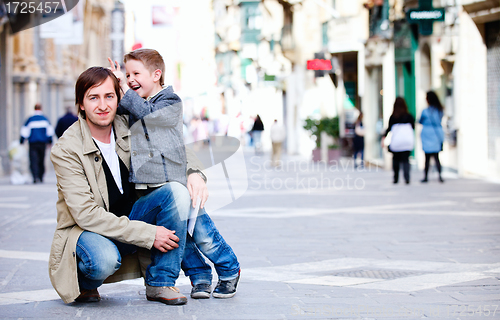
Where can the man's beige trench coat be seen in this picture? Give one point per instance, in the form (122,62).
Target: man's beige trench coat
(81,205)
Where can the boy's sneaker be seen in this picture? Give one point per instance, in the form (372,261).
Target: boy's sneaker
(201,291)
(226,288)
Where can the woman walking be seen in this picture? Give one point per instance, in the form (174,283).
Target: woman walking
(432,132)
(257,129)
(402,125)
(359,140)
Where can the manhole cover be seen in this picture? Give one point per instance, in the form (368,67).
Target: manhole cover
(376,274)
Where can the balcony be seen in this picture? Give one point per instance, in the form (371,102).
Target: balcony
(379,20)
(482,11)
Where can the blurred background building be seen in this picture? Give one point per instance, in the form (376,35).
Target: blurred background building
(41,64)
(376,52)
(230,60)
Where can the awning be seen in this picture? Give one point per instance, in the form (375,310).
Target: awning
(483,11)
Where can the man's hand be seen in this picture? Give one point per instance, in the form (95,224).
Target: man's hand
(115,67)
(197,189)
(165,239)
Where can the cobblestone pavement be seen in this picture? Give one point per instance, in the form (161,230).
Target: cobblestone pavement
(314,243)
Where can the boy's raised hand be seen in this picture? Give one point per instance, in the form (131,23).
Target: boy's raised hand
(115,67)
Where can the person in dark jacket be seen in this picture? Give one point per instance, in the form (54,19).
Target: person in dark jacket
(38,131)
(400,115)
(257,129)
(65,121)
(432,132)
(359,140)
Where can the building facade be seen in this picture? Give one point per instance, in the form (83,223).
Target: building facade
(38,66)
(378,52)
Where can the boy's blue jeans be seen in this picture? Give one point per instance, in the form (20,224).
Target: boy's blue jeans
(99,257)
(207,239)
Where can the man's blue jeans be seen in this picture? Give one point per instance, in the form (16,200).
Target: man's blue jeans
(99,257)
(208,240)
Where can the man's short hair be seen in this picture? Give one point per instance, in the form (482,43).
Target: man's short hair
(93,77)
(151,59)
(38,106)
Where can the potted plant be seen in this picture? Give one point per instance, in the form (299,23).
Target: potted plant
(315,128)
(331,127)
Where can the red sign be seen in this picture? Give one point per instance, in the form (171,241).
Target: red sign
(319,64)
(136,46)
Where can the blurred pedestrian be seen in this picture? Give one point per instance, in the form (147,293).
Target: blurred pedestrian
(278,135)
(222,123)
(402,126)
(236,127)
(359,140)
(38,131)
(432,132)
(65,121)
(257,129)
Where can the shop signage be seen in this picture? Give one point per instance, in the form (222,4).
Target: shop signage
(415,16)
(425,16)
(319,64)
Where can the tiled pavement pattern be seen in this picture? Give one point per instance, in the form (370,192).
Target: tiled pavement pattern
(314,243)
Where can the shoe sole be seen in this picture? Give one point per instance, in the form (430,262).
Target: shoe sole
(88,300)
(200,295)
(223,295)
(176,301)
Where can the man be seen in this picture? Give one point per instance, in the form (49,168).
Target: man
(100,229)
(65,122)
(38,131)
(277,137)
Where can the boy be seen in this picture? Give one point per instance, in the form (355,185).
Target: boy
(159,157)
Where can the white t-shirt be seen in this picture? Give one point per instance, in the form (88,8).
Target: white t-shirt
(109,153)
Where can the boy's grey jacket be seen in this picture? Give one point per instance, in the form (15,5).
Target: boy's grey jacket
(158,151)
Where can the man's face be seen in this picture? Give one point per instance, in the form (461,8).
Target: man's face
(100,104)
(140,80)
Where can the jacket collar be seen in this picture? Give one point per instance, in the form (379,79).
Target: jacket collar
(165,92)
(120,125)
(122,132)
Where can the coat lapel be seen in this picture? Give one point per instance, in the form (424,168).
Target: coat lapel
(94,156)
(122,133)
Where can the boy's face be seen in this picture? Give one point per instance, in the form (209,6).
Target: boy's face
(141,80)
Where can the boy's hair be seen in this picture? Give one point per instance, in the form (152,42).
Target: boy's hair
(151,59)
(93,77)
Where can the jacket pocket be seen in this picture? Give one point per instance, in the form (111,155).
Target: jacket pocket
(57,250)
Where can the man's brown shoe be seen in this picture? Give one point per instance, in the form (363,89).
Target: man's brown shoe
(88,296)
(166,295)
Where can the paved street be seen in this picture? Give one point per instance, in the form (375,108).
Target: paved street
(313,242)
